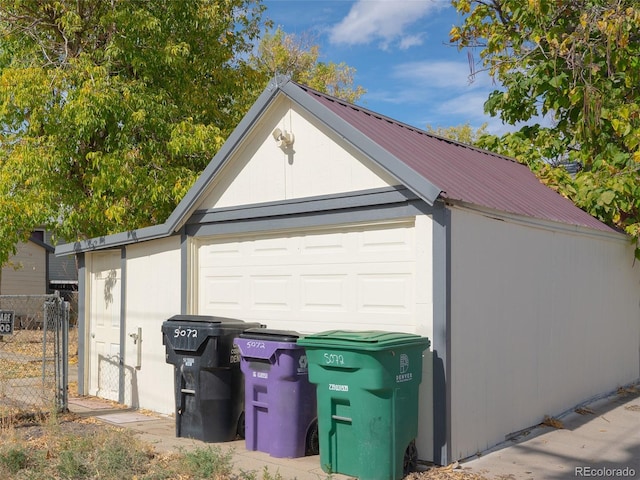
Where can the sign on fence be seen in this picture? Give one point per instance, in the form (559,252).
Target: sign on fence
(6,322)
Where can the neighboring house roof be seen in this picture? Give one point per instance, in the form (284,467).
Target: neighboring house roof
(42,244)
(431,166)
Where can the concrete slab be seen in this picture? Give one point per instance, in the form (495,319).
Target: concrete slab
(599,440)
(121,418)
(89,403)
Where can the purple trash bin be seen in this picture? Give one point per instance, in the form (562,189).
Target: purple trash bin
(280,403)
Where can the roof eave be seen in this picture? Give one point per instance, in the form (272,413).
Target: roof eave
(113,241)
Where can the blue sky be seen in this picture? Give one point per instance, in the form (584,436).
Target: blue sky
(401,51)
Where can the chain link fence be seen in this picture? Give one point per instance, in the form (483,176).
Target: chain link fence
(34,353)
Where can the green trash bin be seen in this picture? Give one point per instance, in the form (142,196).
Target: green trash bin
(367,392)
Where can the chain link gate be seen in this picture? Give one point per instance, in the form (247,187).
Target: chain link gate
(34,353)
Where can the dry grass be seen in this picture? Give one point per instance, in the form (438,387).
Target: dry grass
(450,472)
(625,391)
(70,447)
(24,369)
(552,422)
(29,342)
(584,411)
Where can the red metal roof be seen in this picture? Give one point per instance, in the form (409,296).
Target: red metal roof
(462,172)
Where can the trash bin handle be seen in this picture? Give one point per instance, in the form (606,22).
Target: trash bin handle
(341,418)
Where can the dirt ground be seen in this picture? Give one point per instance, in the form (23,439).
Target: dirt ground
(33,427)
(452,472)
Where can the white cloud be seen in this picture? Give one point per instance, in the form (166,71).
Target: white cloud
(467,105)
(411,41)
(440,74)
(383,20)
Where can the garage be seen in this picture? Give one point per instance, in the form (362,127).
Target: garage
(360,222)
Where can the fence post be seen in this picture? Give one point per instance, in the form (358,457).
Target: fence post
(64,391)
(45,324)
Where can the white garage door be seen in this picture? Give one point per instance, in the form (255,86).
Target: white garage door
(361,277)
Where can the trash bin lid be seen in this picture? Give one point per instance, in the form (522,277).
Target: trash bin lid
(362,340)
(271,335)
(203,319)
(189,332)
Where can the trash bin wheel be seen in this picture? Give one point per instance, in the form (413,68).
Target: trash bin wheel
(410,458)
(313,442)
(241,426)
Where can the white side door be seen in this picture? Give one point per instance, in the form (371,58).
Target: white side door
(104,325)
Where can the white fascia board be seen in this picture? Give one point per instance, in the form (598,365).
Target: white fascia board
(534,222)
(112,241)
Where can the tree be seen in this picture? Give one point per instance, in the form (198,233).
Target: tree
(577,62)
(461,133)
(109,109)
(298,57)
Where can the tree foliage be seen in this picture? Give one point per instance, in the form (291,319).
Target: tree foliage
(109,109)
(298,57)
(577,63)
(460,133)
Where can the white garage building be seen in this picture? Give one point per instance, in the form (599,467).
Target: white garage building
(317,214)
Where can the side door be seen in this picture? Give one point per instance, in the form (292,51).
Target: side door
(105,325)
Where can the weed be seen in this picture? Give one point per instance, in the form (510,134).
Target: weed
(71,465)
(266,475)
(118,455)
(14,459)
(552,422)
(208,462)
(248,475)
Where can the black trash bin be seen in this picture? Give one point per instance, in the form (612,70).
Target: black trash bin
(208,382)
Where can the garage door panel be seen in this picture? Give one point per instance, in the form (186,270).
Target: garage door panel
(269,247)
(220,291)
(387,240)
(325,244)
(210,254)
(385,293)
(324,292)
(271,292)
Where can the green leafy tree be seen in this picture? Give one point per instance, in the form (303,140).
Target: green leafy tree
(298,58)
(578,63)
(109,109)
(461,133)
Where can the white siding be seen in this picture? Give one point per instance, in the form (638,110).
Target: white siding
(319,163)
(153,286)
(26,272)
(541,319)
